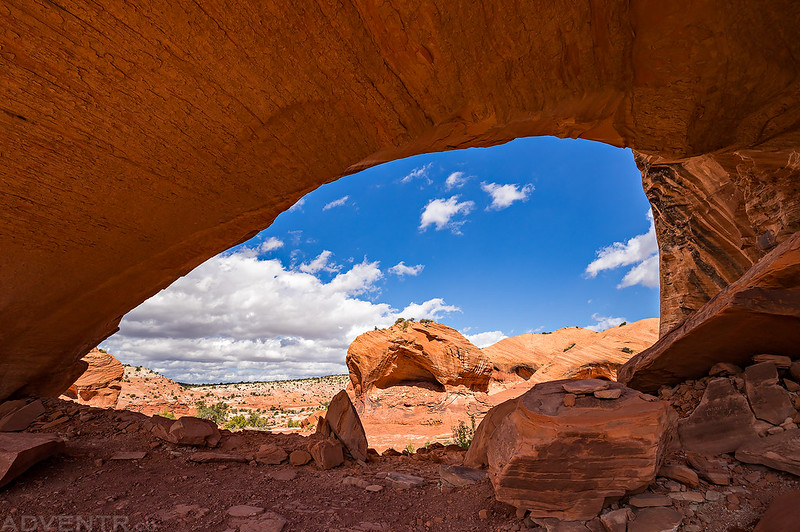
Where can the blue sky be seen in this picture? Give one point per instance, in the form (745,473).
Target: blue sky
(530,236)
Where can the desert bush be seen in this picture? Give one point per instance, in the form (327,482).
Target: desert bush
(166,413)
(217,413)
(236,422)
(627,350)
(463,433)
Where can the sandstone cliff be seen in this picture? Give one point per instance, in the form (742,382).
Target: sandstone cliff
(412,352)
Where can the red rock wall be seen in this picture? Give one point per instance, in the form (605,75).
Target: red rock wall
(138,141)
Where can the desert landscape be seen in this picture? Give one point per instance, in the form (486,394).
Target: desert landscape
(141,142)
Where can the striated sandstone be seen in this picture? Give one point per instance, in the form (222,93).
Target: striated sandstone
(101,383)
(570,353)
(758,313)
(564,462)
(137,143)
(414,352)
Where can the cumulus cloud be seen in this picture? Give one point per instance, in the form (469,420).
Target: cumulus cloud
(641,250)
(336,203)
(237,317)
(298,206)
(318,264)
(440,213)
(455,180)
(270,244)
(419,173)
(400,269)
(504,195)
(604,322)
(485,339)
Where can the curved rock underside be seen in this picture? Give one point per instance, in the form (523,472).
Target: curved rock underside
(412,352)
(138,141)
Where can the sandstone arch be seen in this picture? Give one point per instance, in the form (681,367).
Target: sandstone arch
(137,141)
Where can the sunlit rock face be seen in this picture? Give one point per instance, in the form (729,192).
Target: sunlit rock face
(412,352)
(138,142)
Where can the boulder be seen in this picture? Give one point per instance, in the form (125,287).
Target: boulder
(768,400)
(20,451)
(564,462)
(417,353)
(680,473)
(720,423)
(270,454)
(342,419)
(780,451)
(616,520)
(101,383)
(780,361)
(781,516)
(299,457)
(328,453)
(21,415)
(187,430)
(757,313)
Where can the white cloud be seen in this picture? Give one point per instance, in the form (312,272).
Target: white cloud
(336,203)
(418,173)
(270,244)
(641,250)
(504,195)
(431,309)
(485,339)
(298,205)
(439,212)
(456,180)
(237,318)
(604,322)
(645,273)
(400,269)
(318,264)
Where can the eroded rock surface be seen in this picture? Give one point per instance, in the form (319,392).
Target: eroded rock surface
(416,352)
(20,451)
(342,420)
(101,383)
(563,462)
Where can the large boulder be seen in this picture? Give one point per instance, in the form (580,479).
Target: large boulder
(778,451)
(18,452)
(720,423)
(342,420)
(419,353)
(187,430)
(101,383)
(566,461)
(758,313)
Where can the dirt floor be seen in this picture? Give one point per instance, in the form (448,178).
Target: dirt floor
(166,491)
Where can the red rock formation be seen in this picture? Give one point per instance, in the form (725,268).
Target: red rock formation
(101,383)
(571,352)
(414,352)
(565,461)
(758,313)
(137,143)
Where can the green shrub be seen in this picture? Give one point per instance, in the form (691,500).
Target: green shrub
(569,347)
(623,323)
(166,413)
(217,413)
(627,350)
(463,433)
(236,422)
(292,423)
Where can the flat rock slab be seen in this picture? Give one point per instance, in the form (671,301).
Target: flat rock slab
(680,473)
(656,520)
(22,416)
(283,475)
(710,470)
(129,455)
(612,393)
(203,457)
(780,361)
(244,510)
(720,423)
(20,451)
(648,500)
(780,451)
(585,386)
(404,480)
(459,476)
(781,514)
(266,522)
